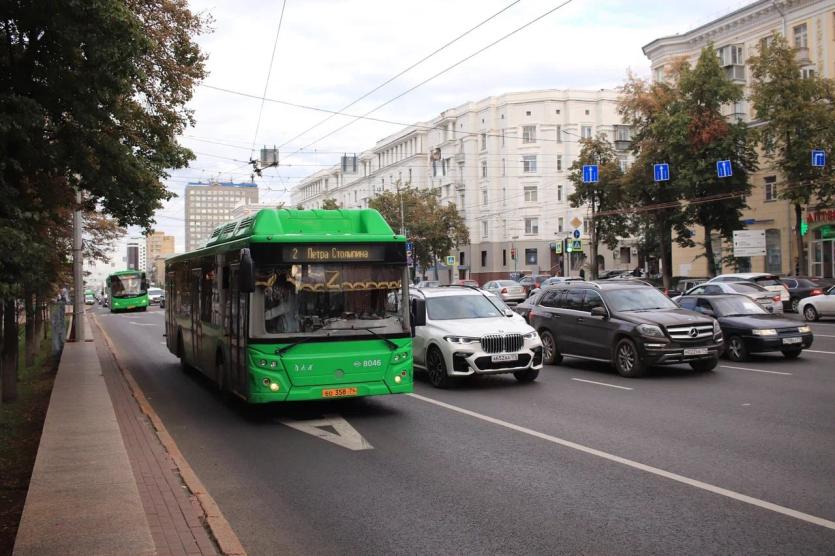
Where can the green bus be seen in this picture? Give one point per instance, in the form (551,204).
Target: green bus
(127,290)
(291,305)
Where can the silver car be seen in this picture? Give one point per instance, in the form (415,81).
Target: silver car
(768,300)
(509,291)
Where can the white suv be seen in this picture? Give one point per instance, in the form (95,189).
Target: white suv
(460,331)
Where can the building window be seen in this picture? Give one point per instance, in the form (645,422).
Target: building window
(483,168)
(731,55)
(529,134)
(444,164)
(773,258)
(801,39)
(484,141)
(530,256)
(434,168)
(502,136)
(585,132)
(560,224)
(461,259)
(558,110)
(559,131)
(531,226)
(531,194)
(504,257)
(529,164)
(587,112)
(559,193)
(807,73)
(625,255)
(483,196)
(623,162)
(528,113)
(770,188)
(484,229)
(484,259)
(658,74)
(559,163)
(504,168)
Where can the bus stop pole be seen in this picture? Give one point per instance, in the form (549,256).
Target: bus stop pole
(78,295)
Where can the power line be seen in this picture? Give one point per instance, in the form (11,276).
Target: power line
(402,72)
(269,73)
(445,70)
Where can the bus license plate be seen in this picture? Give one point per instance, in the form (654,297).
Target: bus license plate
(695,351)
(792,340)
(338,392)
(503,357)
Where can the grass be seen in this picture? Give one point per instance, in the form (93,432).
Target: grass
(21,423)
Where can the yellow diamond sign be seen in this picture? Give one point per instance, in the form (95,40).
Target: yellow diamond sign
(576,222)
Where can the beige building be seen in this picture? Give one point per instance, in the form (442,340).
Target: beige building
(809,25)
(211,204)
(158,245)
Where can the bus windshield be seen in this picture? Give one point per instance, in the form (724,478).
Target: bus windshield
(328,300)
(126,285)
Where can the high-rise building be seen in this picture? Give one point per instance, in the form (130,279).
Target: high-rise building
(504,162)
(809,26)
(242,209)
(137,258)
(157,245)
(211,204)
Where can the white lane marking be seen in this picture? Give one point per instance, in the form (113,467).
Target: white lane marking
(637,465)
(754,370)
(346,435)
(142,323)
(602,384)
(823,335)
(818,351)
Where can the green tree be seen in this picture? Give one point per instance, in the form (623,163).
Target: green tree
(798,115)
(605,196)
(331,204)
(434,229)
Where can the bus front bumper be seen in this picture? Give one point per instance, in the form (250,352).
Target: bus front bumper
(333,391)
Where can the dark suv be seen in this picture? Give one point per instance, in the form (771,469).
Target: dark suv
(631,326)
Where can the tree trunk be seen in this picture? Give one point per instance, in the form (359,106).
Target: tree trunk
(800,268)
(30,350)
(593,251)
(711,258)
(10,352)
(2,351)
(665,244)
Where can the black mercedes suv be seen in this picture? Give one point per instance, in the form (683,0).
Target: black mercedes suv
(631,326)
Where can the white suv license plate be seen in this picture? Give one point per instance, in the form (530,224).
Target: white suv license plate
(792,340)
(696,351)
(503,357)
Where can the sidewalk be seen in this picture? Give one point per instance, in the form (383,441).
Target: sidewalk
(103,483)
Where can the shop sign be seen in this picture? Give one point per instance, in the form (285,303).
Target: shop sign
(826,215)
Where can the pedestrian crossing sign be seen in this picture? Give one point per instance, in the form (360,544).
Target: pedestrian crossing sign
(558,248)
(576,245)
(450,260)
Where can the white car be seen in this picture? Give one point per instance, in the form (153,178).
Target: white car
(768,300)
(813,308)
(154,295)
(508,290)
(461,332)
(770,282)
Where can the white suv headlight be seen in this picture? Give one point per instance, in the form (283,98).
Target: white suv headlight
(531,335)
(461,340)
(650,330)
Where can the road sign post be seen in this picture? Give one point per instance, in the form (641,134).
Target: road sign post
(661,172)
(818,158)
(590,173)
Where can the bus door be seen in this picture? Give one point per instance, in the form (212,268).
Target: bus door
(196,327)
(237,340)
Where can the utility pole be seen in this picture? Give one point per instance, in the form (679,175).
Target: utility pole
(78,295)
(402,211)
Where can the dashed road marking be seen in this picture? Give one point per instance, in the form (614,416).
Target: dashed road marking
(818,351)
(808,518)
(142,323)
(755,370)
(602,384)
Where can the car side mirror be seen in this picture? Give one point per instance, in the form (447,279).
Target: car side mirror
(599,312)
(246,273)
(508,313)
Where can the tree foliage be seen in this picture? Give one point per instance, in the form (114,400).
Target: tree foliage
(434,229)
(330,204)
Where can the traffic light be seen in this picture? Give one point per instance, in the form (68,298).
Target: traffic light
(804,227)
(513,253)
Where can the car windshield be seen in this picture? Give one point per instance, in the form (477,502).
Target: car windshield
(327,299)
(506,283)
(154,291)
(497,301)
(451,307)
(768,281)
(638,299)
(126,285)
(746,288)
(734,306)
(803,283)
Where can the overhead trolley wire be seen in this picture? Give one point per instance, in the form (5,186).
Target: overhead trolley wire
(269,73)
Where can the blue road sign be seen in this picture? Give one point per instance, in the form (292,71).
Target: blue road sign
(723,169)
(576,234)
(590,173)
(409,246)
(661,171)
(818,158)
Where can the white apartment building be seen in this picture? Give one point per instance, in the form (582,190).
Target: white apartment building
(809,26)
(243,208)
(137,253)
(211,204)
(504,161)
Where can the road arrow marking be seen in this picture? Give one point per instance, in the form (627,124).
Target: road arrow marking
(332,428)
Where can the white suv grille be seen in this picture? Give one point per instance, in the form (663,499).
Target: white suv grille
(690,332)
(495,343)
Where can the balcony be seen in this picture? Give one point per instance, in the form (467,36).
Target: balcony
(458,158)
(801,54)
(735,73)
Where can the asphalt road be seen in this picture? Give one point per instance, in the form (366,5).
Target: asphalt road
(575,463)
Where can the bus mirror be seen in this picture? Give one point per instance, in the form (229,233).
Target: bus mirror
(246,274)
(418,315)
(145,284)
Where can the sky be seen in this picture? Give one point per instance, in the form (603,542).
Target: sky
(329,53)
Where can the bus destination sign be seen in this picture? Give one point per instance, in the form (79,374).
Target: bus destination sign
(333,253)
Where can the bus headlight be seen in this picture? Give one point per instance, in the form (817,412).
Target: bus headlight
(397,379)
(274,386)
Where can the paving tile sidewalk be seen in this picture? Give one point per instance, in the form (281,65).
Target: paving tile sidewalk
(175,516)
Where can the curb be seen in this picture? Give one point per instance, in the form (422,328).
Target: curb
(219,528)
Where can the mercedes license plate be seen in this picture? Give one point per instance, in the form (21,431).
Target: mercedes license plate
(502,357)
(338,392)
(695,351)
(792,340)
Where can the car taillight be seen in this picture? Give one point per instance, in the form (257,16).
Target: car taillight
(776,298)
(504,290)
(816,291)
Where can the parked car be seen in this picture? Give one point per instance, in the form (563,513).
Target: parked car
(459,332)
(89,299)
(686,284)
(631,326)
(748,328)
(771,282)
(553,281)
(154,294)
(472,283)
(525,307)
(813,308)
(533,282)
(768,300)
(799,288)
(428,284)
(609,274)
(508,290)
